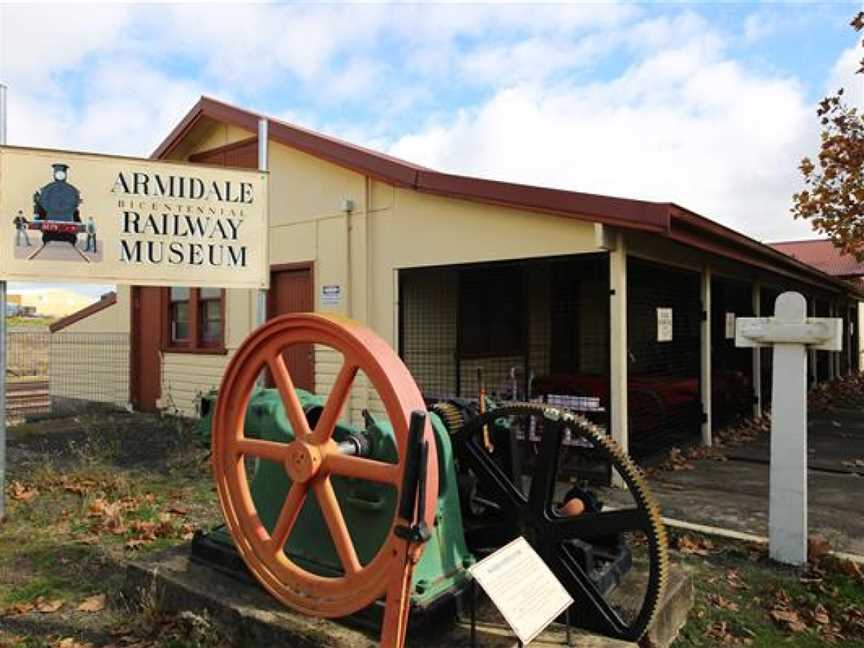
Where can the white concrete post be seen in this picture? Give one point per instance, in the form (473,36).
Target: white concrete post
(2,342)
(618,346)
(263,165)
(705,355)
(757,355)
(790,332)
(832,356)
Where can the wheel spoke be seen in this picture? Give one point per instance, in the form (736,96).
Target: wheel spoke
(335,403)
(483,464)
(596,525)
(579,585)
(359,468)
(269,450)
(285,385)
(288,516)
(336,524)
(546,466)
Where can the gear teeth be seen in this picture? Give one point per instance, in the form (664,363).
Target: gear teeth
(451,415)
(632,476)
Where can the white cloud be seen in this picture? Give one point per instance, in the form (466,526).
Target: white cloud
(759,25)
(39,40)
(685,125)
(843,76)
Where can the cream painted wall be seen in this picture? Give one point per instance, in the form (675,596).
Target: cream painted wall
(213,136)
(424,230)
(362,252)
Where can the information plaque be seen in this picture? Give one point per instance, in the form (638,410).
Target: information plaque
(522,587)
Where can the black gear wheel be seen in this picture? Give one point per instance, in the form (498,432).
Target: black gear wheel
(535,514)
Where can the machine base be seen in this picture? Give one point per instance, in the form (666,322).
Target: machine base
(247,615)
(212,551)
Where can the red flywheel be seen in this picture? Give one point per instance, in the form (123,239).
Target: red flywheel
(312,459)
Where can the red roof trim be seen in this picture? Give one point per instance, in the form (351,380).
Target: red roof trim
(623,212)
(108,299)
(628,213)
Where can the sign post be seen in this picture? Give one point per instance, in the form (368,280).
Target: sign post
(791,333)
(2,341)
(90,218)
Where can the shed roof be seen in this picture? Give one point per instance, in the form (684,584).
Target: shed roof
(822,254)
(108,299)
(665,219)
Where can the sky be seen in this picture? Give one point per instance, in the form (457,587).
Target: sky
(708,105)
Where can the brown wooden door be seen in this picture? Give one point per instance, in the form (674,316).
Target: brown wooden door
(291,292)
(146,342)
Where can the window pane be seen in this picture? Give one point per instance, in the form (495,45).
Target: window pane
(211,321)
(180,321)
(210,293)
(180,294)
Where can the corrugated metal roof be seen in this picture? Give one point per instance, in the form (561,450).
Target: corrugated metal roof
(822,254)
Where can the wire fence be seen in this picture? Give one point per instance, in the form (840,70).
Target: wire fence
(56,374)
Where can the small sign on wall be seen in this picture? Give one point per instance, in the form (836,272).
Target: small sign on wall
(331,295)
(664,324)
(730,326)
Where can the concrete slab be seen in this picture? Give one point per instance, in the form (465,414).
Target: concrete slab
(835,441)
(250,616)
(734,494)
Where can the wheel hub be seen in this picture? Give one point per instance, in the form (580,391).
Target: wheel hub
(302,461)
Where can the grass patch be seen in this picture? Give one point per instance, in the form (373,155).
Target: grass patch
(742,599)
(89,503)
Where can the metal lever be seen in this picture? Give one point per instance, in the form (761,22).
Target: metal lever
(413,503)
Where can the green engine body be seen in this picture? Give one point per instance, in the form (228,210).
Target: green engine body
(368,508)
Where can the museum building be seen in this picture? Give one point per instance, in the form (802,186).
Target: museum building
(620,308)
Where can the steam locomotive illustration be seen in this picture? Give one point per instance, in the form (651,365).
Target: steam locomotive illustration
(55,209)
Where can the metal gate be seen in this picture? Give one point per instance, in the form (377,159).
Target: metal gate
(664,314)
(732,390)
(528,329)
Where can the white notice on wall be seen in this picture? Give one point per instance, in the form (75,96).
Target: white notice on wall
(522,587)
(331,295)
(664,324)
(730,326)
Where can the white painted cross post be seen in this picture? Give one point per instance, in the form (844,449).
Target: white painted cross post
(790,332)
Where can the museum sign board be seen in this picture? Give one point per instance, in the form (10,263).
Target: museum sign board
(96,218)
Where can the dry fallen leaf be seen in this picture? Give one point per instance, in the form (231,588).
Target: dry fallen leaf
(820,615)
(21,493)
(70,642)
(733,578)
(817,548)
(17,609)
(95,603)
(723,603)
(694,545)
(187,531)
(788,619)
(178,509)
(47,606)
